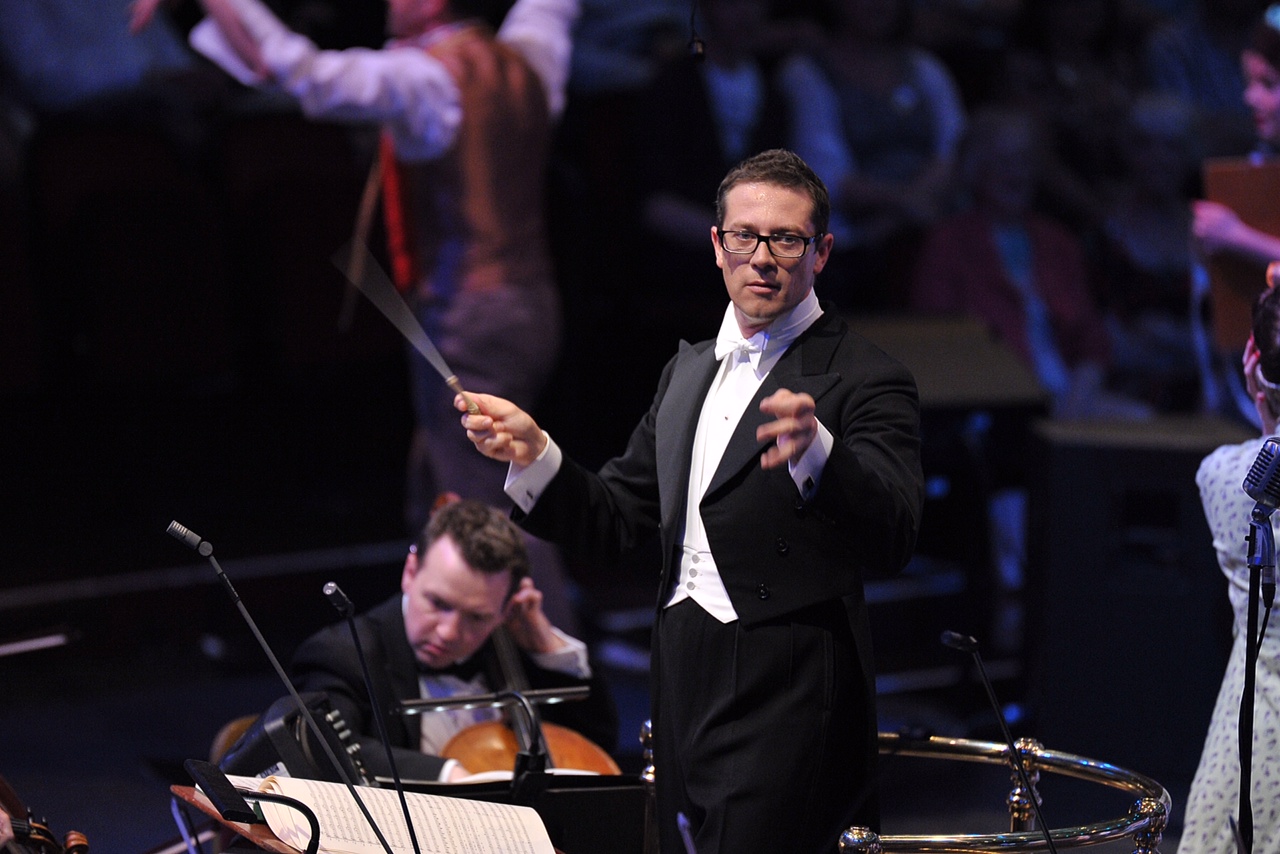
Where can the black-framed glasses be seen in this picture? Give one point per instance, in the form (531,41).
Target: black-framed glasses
(780,245)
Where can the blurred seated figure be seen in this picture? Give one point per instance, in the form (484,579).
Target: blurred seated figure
(64,54)
(1196,58)
(879,119)
(1218,231)
(1018,271)
(619,46)
(1145,257)
(1024,276)
(1071,66)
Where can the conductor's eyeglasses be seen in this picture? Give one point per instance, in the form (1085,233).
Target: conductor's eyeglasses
(780,245)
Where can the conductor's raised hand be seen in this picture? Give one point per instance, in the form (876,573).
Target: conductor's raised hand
(502,430)
(793,430)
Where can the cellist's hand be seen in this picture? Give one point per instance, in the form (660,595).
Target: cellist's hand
(527,623)
(6,828)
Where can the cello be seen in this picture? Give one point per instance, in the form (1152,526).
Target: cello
(494,745)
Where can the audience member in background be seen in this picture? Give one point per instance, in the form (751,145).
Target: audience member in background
(1218,231)
(1144,257)
(64,55)
(1216,227)
(467,116)
(1023,275)
(1071,69)
(1016,270)
(879,119)
(1196,57)
(971,38)
(1214,798)
(618,45)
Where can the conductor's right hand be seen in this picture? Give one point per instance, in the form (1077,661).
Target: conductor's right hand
(502,430)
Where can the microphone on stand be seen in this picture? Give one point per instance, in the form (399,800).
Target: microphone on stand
(1262,483)
(205,549)
(529,777)
(697,47)
(966,643)
(339,600)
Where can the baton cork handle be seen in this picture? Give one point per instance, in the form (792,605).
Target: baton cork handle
(472,407)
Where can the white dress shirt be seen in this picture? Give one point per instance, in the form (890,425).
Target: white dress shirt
(737,381)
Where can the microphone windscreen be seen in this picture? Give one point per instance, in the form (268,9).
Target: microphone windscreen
(1262,483)
(957,641)
(185,534)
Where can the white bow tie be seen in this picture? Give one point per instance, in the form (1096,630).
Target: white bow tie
(745,346)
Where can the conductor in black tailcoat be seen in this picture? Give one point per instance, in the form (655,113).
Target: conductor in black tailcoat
(780,464)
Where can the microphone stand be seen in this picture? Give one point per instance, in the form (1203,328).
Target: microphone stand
(1262,555)
(529,777)
(339,600)
(205,549)
(965,643)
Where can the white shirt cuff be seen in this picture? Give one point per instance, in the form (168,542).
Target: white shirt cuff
(571,660)
(525,484)
(807,471)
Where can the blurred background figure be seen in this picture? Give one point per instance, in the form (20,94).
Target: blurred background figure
(879,119)
(1023,276)
(1143,261)
(1195,57)
(468,117)
(1218,231)
(1071,66)
(1018,271)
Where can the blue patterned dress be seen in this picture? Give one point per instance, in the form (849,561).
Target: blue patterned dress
(1215,790)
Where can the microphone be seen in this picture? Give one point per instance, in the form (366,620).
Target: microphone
(1263,480)
(205,549)
(529,777)
(969,644)
(697,47)
(1262,484)
(339,600)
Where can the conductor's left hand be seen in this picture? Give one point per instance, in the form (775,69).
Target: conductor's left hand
(502,430)
(793,430)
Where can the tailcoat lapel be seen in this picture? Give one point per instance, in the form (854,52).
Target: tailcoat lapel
(677,421)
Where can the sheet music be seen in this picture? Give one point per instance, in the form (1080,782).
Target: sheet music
(443,825)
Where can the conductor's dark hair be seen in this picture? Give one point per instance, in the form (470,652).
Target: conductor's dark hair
(784,169)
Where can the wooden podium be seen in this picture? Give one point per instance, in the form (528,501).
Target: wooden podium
(1252,190)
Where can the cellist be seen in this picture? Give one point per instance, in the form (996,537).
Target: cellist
(466,577)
